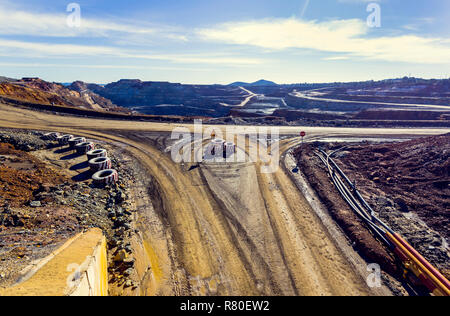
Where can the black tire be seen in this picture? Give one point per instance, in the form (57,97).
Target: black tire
(50,136)
(54,136)
(64,139)
(75,141)
(100,163)
(104,177)
(83,148)
(96,153)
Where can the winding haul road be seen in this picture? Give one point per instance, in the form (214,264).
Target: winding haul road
(306,95)
(224,228)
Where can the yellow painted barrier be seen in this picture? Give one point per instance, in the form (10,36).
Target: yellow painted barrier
(78,268)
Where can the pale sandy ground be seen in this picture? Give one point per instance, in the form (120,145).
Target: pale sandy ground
(52,278)
(305,95)
(224,229)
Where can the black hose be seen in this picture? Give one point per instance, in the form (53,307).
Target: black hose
(358,204)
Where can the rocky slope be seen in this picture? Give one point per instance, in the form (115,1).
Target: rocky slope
(415,174)
(40,91)
(407,185)
(42,205)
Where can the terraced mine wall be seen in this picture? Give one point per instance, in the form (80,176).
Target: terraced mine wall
(91,113)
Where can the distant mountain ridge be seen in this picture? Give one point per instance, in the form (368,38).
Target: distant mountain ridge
(259,83)
(6,79)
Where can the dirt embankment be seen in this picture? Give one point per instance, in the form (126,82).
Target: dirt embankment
(364,242)
(22,175)
(27,230)
(416,174)
(407,184)
(46,197)
(40,91)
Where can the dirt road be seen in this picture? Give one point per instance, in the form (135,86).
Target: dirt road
(222,229)
(307,95)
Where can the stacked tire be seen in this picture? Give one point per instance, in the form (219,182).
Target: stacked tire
(84,148)
(96,153)
(100,163)
(51,136)
(105,177)
(98,160)
(75,141)
(64,139)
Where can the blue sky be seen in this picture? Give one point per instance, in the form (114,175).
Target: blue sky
(200,41)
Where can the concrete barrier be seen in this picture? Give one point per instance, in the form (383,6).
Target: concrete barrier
(93,275)
(78,268)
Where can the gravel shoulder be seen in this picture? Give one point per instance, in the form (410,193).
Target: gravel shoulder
(47,197)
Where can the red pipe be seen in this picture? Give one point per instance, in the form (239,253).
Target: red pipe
(422,260)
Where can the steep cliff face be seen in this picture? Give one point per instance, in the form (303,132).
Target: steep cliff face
(91,97)
(40,91)
(21,92)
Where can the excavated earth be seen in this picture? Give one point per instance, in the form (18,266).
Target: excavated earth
(406,183)
(415,174)
(409,186)
(206,229)
(46,197)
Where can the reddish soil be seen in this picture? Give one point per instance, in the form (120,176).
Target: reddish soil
(407,183)
(29,233)
(415,174)
(364,242)
(21,174)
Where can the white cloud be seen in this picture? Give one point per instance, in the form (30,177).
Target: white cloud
(90,66)
(337,58)
(32,49)
(19,22)
(201,59)
(350,37)
(285,33)
(342,38)
(43,50)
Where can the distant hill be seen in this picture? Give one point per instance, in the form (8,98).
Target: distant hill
(259,83)
(6,79)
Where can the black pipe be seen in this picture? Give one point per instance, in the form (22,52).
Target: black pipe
(351,201)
